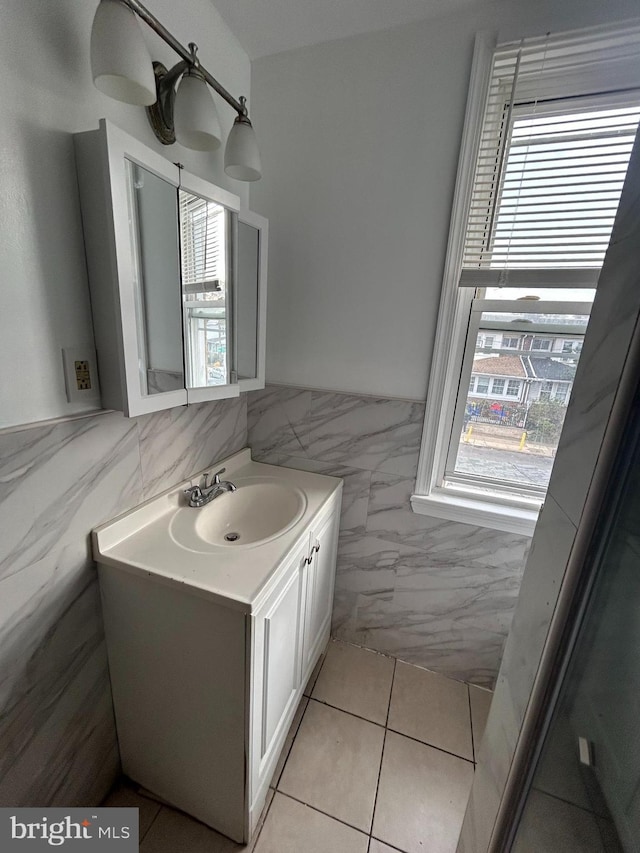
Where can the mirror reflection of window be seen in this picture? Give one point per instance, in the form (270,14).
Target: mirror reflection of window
(203,256)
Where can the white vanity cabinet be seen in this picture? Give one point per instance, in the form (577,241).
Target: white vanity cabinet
(289,632)
(205,687)
(320,575)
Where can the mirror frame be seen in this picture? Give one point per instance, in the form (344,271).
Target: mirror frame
(104,195)
(261,224)
(105,201)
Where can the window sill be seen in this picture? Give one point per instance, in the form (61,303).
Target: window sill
(471,507)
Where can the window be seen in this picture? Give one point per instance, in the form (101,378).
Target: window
(560,393)
(541,344)
(530,226)
(545,391)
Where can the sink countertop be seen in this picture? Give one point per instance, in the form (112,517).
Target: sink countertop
(139,541)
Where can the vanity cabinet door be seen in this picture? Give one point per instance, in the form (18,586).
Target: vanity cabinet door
(320,577)
(276,662)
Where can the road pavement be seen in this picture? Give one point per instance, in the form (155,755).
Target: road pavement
(512,465)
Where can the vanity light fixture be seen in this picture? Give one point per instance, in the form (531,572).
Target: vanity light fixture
(178,100)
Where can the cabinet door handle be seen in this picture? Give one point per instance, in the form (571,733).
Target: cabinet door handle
(315,548)
(307,560)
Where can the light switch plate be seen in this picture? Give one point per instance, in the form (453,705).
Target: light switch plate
(81,375)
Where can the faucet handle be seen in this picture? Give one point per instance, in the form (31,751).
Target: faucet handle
(215,481)
(194,493)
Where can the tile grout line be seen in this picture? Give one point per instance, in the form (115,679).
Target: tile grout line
(431,746)
(375,799)
(263,820)
(393,678)
(324,660)
(276,782)
(350,713)
(369,835)
(384,741)
(155,817)
(568,802)
(588,781)
(422,668)
(473,737)
(386,843)
(326,814)
(395,731)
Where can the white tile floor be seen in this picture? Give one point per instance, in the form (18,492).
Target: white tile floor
(379,759)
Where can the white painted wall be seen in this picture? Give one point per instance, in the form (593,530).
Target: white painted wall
(48,95)
(359,141)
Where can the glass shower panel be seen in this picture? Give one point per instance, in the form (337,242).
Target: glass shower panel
(585,791)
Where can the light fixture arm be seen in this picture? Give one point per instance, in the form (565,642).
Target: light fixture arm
(175,98)
(187,56)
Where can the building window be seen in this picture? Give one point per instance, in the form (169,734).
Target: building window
(560,393)
(545,391)
(530,227)
(541,344)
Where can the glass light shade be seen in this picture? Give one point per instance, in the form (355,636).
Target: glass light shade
(241,156)
(195,117)
(120,62)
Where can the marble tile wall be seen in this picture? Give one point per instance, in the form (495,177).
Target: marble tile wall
(58,480)
(436,593)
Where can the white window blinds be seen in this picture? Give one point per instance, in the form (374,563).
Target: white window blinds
(202,244)
(560,120)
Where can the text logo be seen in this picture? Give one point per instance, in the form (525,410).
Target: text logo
(26,830)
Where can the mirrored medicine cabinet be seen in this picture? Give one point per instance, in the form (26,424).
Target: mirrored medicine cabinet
(177,275)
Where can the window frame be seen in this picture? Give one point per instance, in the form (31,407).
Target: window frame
(431,497)
(508,510)
(479,306)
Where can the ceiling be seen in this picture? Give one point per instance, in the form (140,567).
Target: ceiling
(264,27)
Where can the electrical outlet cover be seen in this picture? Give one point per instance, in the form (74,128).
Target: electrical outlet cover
(585,750)
(81,375)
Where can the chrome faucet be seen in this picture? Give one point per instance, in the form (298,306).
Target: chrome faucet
(206,492)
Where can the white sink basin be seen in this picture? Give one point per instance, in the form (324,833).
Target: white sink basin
(258,511)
